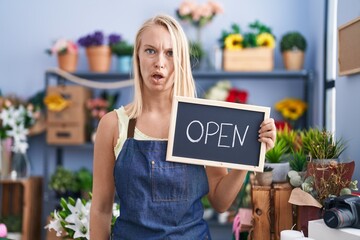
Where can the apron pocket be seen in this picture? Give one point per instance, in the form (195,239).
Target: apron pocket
(169,182)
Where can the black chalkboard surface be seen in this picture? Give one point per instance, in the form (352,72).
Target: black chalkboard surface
(216,133)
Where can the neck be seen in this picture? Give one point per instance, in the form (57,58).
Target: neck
(157,102)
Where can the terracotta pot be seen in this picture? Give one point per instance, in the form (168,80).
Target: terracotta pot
(264,178)
(68,61)
(99,58)
(293,60)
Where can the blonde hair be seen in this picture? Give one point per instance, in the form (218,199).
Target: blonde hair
(183,80)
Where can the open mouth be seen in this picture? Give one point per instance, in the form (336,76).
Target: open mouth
(157,76)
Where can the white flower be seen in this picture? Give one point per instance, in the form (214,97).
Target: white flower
(116,210)
(78,212)
(81,228)
(7,117)
(55,224)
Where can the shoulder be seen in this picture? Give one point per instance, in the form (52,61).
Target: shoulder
(108,127)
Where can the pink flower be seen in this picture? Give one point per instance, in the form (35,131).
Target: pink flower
(3,230)
(216,7)
(186,7)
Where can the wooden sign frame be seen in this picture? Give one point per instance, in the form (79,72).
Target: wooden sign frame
(173,123)
(349,48)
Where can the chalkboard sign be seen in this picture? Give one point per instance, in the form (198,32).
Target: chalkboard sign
(216,133)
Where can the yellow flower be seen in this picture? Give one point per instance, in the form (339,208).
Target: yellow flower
(233,41)
(291,108)
(265,40)
(55,102)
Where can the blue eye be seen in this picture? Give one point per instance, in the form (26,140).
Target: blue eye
(150,51)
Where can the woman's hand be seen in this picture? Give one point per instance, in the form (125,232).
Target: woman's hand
(267,133)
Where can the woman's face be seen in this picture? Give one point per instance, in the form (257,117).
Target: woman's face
(156,59)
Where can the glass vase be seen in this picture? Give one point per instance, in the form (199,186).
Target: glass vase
(5,156)
(20,165)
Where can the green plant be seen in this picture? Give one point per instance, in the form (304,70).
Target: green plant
(12,222)
(196,50)
(291,137)
(84,178)
(275,154)
(293,41)
(298,161)
(63,180)
(122,48)
(320,144)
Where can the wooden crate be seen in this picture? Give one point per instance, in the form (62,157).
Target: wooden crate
(272,212)
(70,125)
(249,59)
(76,112)
(24,197)
(68,134)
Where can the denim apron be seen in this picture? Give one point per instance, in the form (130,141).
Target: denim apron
(158,199)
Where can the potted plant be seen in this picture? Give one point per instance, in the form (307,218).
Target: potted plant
(64,183)
(265,178)
(321,145)
(292,47)
(298,161)
(67,54)
(98,52)
(248,51)
(274,159)
(124,51)
(85,180)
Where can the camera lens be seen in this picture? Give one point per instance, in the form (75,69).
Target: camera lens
(338,217)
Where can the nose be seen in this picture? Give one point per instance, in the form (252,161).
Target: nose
(160,62)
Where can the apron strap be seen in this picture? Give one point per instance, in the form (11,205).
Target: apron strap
(131,128)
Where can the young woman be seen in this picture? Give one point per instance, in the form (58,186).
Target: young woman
(158,199)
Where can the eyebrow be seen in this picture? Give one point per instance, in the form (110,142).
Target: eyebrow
(151,46)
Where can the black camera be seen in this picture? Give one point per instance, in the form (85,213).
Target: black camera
(343,211)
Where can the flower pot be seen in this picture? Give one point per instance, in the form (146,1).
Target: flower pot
(306,214)
(99,58)
(293,60)
(68,61)
(280,171)
(264,178)
(124,64)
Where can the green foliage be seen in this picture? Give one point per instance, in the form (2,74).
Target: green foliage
(274,155)
(205,202)
(290,137)
(63,180)
(320,144)
(12,222)
(298,161)
(196,50)
(122,49)
(85,179)
(293,41)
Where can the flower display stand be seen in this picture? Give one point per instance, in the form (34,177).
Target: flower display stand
(272,212)
(23,197)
